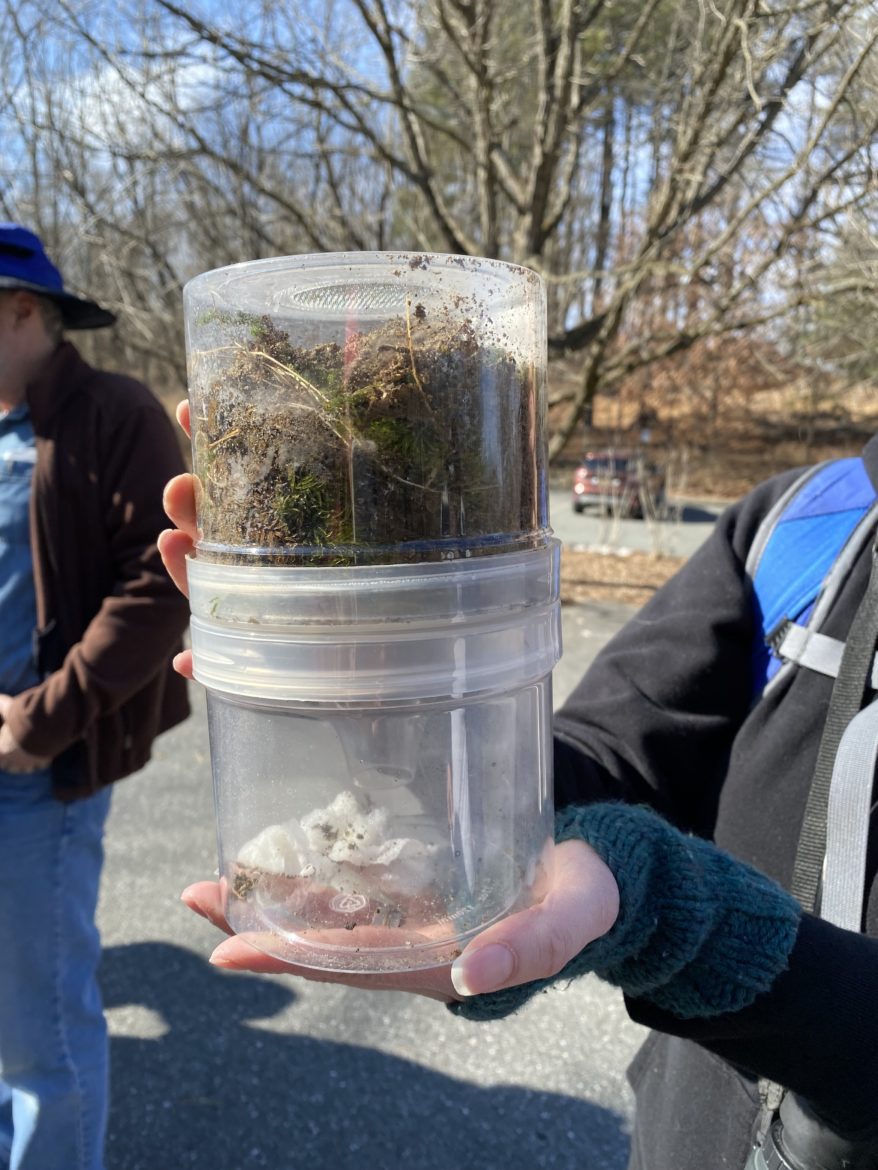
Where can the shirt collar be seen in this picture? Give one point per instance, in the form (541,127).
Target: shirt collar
(49,390)
(17,414)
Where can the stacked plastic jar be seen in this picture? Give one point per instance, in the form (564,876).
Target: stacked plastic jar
(374,596)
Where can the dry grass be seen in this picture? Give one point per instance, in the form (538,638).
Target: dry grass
(631,578)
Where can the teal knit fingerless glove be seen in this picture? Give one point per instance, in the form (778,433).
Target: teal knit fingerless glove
(698,934)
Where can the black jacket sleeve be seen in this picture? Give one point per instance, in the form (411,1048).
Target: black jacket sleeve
(815,1031)
(655,716)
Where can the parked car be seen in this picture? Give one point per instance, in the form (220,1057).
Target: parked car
(622,482)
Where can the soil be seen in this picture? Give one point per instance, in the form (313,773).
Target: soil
(415,434)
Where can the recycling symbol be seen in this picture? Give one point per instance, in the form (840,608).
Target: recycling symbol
(348,903)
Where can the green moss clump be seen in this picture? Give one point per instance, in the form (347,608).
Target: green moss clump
(304,506)
(411,441)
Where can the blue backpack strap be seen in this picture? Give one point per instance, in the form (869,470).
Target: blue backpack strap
(797,545)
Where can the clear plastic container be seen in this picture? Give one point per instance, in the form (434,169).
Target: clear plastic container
(370,407)
(405,833)
(374,596)
(380,744)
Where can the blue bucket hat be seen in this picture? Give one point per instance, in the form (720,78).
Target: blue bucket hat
(24,264)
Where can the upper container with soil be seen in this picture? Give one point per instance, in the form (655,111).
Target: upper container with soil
(368,408)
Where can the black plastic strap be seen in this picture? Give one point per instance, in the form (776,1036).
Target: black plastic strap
(848,694)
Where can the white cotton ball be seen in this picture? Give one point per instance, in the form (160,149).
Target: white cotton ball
(344,845)
(409,866)
(273,851)
(324,826)
(343,828)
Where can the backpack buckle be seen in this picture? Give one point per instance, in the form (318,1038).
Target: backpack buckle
(775,636)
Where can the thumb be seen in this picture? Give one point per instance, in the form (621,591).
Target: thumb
(5,704)
(581,905)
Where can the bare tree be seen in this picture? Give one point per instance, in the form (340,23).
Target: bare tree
(666,166)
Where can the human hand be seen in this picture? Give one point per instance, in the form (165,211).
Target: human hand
(581,904)
(12,757)
(175,544)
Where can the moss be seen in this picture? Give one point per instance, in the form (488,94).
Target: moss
(410,444)
(304,506)
(231,317)
(374,445)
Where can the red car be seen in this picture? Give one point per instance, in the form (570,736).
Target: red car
(620,482)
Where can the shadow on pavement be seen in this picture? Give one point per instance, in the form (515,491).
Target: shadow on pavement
(216,1093)
(691,514)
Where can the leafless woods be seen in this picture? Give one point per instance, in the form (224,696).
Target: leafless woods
(680,171)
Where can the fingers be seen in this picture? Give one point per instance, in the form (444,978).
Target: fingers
(174,546)
(251,953)
(183,416)
(244,952)
(206,899)
(21,765)
(581,905)
(238,954)
(183,664)
(179,503)
(13,758)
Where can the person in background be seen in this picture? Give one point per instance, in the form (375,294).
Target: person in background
(88,621)
(679,805)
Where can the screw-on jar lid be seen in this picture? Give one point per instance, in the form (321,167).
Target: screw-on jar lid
(391,634)
(282,597)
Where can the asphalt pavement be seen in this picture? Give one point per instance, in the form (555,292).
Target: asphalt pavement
(220,1071)
(683,525)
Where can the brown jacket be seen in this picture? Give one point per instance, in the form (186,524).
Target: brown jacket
(109,618)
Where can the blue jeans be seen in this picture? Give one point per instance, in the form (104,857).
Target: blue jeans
(53,1036)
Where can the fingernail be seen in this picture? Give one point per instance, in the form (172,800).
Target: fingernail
(191,904)
(482,970)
